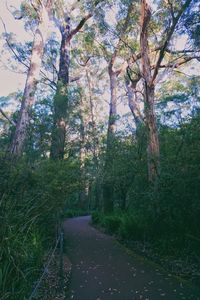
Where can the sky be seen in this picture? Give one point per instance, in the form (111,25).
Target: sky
(10,81)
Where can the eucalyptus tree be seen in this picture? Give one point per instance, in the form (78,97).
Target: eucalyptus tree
(150,71)
(155,53)
(110,45)
(41,11)
(108,190)
(65,16)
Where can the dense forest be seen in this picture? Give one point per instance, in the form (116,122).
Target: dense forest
(107,124)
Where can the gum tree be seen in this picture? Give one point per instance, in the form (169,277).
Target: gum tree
(42,11)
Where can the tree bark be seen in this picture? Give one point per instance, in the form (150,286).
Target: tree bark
(113,103)
(93,123)
(83,189)
(134,104)
(61,96)
(28,100)
(108,189)
(153,151)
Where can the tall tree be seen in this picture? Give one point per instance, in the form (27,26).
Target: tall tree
(61,97)
(149,90)
(18,140)
(108,191)
(149,78)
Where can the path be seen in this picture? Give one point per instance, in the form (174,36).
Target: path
(102,269)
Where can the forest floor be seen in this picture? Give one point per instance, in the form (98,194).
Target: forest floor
(104,269)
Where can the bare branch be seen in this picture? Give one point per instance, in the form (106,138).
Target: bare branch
(11,48)
(79,26)
(85,63)
(171,10)
(44,76)
(7,118)
(73,79)
(121,37)
(181,51)
(177,64)
(167,40)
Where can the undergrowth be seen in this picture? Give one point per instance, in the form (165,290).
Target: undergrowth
(32,198)
(149,238)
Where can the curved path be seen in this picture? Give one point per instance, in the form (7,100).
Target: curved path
(102,269)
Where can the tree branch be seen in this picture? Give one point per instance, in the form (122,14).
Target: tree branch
(79,26)
(7,118)
(73,79)
(122,34)
(177,64)
(167,40)
(11,48)
(180,51)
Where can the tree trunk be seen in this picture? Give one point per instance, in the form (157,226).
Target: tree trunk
(113,104)
(83,190)
(93,123)
(134,104)
(61,97)
(108,189)
(59,125)
(153,152)
(28,100)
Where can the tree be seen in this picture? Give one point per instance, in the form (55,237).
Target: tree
(149,78)
(108,190)
(18,140)
(149,90)
(61,97)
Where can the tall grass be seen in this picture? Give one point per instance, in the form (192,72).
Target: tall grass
(31,199)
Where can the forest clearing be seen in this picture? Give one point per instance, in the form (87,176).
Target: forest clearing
(99,149)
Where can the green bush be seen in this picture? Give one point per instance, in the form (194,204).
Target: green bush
(96,217)
(130,228)
(112,223)
(70,213)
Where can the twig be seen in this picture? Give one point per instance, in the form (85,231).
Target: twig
(7,118)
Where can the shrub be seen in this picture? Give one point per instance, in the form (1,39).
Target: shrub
(112,223)
(97,217)
(130,228)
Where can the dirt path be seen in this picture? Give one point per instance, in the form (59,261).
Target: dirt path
(102,269)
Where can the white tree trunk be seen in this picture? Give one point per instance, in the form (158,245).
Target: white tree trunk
(134,104)
(28,100)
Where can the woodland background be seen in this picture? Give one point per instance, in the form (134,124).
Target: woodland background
(108,123)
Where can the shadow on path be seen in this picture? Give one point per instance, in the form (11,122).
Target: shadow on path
(102,269)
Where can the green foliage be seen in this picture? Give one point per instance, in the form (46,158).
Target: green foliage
(96,217)
(112,223)
(28,10)
(165,216)
(71,213)
(130,229)
(31,203)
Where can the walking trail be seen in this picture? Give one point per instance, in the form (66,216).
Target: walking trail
(102,269)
